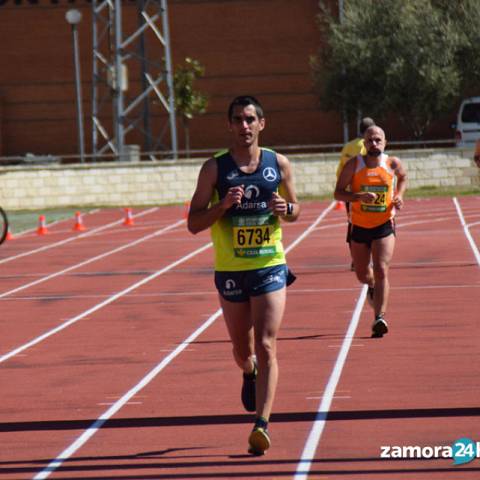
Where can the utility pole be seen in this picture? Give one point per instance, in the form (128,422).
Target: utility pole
(133,94)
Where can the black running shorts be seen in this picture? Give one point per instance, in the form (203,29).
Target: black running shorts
(367,235)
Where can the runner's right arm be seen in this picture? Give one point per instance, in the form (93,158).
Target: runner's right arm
(202,214)
(344,181)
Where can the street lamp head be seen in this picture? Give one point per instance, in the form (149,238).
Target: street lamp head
(73,16)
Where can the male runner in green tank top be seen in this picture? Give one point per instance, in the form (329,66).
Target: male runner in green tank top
(241,194)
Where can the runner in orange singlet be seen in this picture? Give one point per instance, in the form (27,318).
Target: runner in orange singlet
(374,184)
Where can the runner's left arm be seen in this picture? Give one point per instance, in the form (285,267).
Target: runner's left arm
(285,203)
(401,187)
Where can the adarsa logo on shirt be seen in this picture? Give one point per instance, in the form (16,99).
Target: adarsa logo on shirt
(252,205)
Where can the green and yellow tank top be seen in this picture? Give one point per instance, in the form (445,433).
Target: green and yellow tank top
(248,236)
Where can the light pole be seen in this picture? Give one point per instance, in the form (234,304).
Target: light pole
(74,17)
(341,16)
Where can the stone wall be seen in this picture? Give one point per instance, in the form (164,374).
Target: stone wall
(154,183)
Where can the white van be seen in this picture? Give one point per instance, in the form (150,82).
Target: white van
(468,122)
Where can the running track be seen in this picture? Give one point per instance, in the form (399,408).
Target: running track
(115,363)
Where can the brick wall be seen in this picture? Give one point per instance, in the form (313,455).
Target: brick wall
(154,183)
(259,47)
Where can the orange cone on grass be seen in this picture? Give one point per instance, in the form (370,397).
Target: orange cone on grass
(79,226)
(42,227)
(128,218)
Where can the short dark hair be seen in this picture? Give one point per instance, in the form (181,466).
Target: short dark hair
(365,123)
(243,101)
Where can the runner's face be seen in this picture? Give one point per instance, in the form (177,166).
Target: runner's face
(374,141)
(245,125)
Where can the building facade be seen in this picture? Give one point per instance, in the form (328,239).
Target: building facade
(258,47)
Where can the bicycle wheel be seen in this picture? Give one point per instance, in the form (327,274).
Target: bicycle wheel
(3,225)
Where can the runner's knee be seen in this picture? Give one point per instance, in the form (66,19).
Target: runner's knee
(265,348)
(380,271)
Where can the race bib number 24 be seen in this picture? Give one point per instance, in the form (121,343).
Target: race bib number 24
(380,203)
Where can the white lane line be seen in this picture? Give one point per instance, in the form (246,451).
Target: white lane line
(466,230)
(109,300)
(87,434)
(92,430)
(427,221)
(308,454)
(76,237)
(93,259)
(342,397)
(311,227)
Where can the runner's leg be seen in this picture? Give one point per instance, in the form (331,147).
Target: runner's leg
(240,329)
(267,314)
(361,254)
(382,252)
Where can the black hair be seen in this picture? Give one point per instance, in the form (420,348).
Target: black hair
(243,101)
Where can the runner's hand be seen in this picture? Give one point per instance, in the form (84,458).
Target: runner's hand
(398,202)
(366,197)
(278,205)
(233,197)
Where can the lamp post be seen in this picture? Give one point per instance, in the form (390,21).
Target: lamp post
(74,17)
(341,17)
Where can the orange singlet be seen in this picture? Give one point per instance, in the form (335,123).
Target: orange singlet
(380,180)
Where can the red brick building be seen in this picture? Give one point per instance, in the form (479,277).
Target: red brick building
(259,47)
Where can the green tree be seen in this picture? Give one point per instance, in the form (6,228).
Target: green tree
(466,16)
(405,57)
(188,102)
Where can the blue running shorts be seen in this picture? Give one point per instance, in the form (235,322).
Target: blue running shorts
(240,286)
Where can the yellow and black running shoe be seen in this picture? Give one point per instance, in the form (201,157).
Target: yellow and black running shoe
(259,441)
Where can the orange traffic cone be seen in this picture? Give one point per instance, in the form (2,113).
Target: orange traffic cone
(339,206)
(79,226)
(128,218)
(42,227)
(9,235)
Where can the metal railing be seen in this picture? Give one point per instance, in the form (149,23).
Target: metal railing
(134,153)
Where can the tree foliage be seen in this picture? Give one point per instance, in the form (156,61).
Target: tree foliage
(188,101)
(412,58)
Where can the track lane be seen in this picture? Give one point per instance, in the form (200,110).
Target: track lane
(214,298)
(416,386)
(210,445)
(46,299)
(58,236)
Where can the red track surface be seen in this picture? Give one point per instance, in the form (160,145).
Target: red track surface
(88,318)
